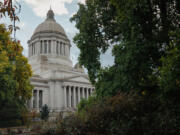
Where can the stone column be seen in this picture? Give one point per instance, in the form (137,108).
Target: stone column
(83,89)
(69,51)
(38,47)
(74,91)
(37,98)
(65,97)
(79,98)
(35,48)
(54,47)
(32,48)
(29,50)
(69,96)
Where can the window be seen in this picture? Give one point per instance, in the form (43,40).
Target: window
(60,48)
(57,47)
(34,98)
(40,98)
(41,47)
(64,49)
(49,46)
(45,46)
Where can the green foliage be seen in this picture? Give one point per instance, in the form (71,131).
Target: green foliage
(139,94)
(13,63)
(44,113)
(11,113)
(84,103)
(124,114)
(15,87)
(170,73)
(50,131)
(138,32)
(70,125)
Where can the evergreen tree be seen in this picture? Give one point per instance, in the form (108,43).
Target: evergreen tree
(45,113)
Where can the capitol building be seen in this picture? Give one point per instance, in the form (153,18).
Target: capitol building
(56,82)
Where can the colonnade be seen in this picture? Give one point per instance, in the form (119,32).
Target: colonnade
(73,95)
(49,47)
(37,99)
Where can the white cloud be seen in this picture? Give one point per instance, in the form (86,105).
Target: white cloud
(82,1)
(40,7)
(21,25)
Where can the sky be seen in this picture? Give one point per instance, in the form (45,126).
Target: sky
(33,12)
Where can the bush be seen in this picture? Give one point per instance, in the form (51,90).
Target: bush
(50,131)
(125,114)
(44,113)
(13,114)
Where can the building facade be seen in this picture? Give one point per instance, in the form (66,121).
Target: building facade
(56,82)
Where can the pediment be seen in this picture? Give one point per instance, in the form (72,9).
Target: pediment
(83,79)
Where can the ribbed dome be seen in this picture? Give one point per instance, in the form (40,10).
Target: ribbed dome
(49,25)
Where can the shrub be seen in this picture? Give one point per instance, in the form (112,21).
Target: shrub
(44,113)
(49,131)
(125,114)
(12,114)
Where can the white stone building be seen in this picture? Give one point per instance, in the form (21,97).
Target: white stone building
(56,82)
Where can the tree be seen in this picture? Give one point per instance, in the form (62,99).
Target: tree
(8,8)
(21,70)
(15,73)
(45,113)
(169,72)
(137,30)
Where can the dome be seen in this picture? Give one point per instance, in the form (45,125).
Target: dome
(78,67)
(50,25)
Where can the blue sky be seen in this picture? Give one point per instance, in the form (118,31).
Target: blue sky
(33,12)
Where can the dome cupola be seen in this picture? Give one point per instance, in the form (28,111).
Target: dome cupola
(49,44)
(50,15)
(49,26)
